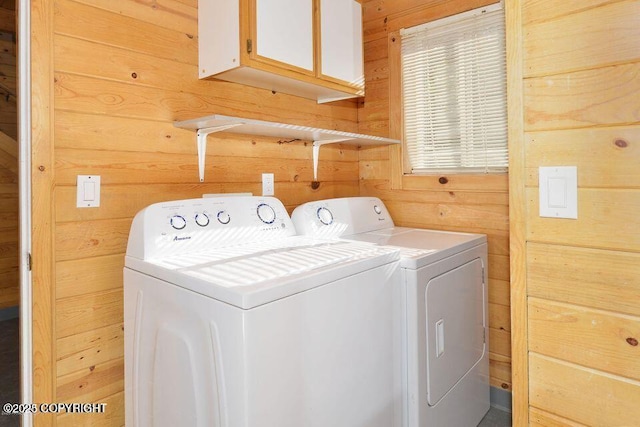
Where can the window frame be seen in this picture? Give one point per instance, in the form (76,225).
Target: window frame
(401,175)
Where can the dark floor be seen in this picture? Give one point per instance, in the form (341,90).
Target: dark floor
(9,370)
(496,418)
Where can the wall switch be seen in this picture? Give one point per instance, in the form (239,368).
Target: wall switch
(88,191)
(267,184)
(558,187)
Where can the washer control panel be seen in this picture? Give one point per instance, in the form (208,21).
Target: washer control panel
(195,225)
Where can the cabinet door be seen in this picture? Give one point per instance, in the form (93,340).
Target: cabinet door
(341,41)
(284,31)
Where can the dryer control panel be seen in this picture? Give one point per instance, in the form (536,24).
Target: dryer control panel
(194,225)
(341,217)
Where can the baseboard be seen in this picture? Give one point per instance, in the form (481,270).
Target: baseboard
(9,313)
(500,399)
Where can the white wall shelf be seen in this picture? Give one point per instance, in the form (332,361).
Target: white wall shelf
(217,123)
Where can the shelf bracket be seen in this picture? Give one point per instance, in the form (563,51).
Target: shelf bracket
(201,136)
(316,152)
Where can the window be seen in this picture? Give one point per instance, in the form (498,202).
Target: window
(454,93)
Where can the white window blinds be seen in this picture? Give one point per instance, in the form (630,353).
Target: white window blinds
(454,93)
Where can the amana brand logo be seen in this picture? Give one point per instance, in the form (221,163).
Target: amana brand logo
(176,238)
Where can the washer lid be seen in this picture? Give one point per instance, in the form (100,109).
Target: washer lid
(250,275)
(420,247)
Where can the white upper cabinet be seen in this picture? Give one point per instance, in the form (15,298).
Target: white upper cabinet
(284,32)
(341,41)
(308,48)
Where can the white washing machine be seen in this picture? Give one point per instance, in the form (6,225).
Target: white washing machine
(444,277)
(232,321)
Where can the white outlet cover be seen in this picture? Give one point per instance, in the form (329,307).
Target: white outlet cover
(267,184)
(558,187)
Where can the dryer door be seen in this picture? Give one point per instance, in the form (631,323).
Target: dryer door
(455,326)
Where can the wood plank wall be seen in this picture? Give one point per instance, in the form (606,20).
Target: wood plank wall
(123,72)
(581,92)
(9,281)
(469,203)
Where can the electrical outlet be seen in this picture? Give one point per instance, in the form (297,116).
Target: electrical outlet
(267,184)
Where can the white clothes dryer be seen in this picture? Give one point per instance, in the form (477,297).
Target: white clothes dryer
(444,280)
(231,320)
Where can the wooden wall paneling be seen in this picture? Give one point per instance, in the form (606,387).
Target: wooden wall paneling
(106,97)
(452,196)
(399,163)
(90,348)
(112,417)
(500,342)
(417,13)
(82,276)
(7,20)
(83,313)
(124,201)
(9,296)
(500,371)
(457,191)
(545,10)
(582,394)
(373,153)
(540,418)
(575,41)
(517,214)
(499,292)
(598,97)
(606,219)
(599,339)
(606,280)
(42,211)
(581,274)
(602,150)
(8,116)
(9,236)
(498,182)
(171,14)
(80,131)
(86,239)
(499,317)
(92,384)
(156,43)
(128,167)
(439,216)
(90,23)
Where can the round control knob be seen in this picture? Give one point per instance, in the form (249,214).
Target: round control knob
(178,222)
(377,209)
(266,213)
(325,216)
(224,217)
(202,219)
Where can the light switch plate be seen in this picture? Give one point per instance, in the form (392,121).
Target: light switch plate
(558,191)
(88,191)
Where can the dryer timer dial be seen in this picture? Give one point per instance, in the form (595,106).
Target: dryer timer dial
(324,215)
